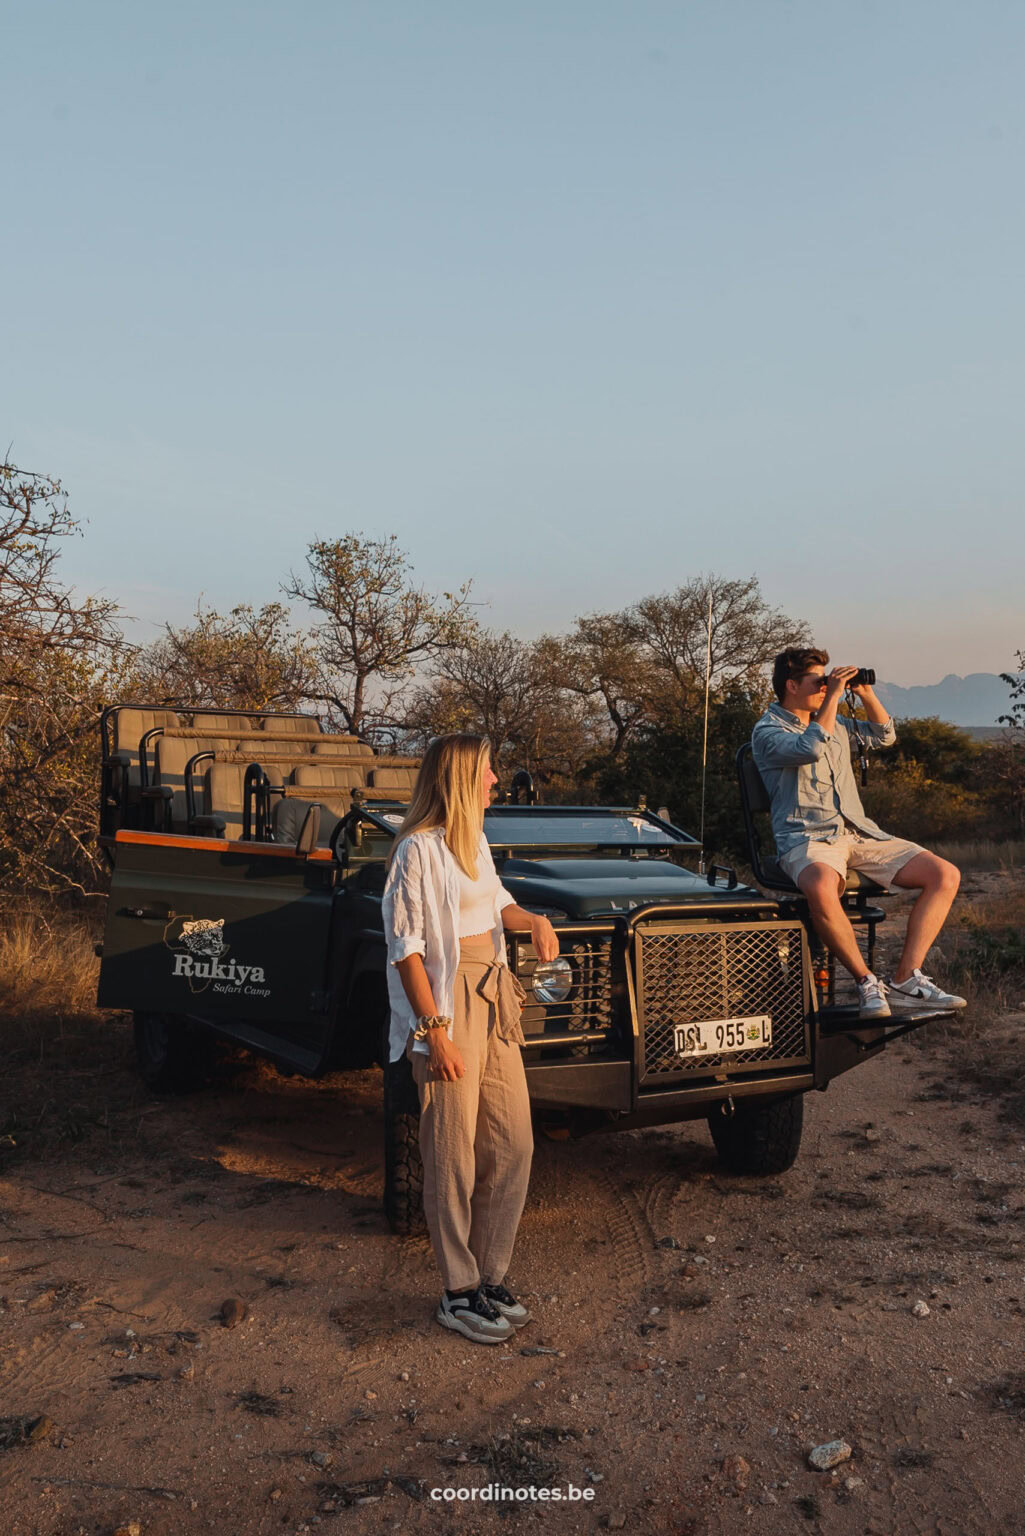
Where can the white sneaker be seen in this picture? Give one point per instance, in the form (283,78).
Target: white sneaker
(920,991)
(872,1002)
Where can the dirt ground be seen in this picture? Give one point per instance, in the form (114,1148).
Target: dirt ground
(695,1336)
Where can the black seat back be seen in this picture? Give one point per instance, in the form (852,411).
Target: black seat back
(754,801)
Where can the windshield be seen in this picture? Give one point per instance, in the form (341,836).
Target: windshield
(554,826)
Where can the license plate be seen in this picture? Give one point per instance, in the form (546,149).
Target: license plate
(718,1037)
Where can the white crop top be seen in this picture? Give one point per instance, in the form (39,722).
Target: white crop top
(477,902)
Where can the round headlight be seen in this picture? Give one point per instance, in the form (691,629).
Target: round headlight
(552,980)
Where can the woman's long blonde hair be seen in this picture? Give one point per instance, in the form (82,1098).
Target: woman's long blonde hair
(447,793)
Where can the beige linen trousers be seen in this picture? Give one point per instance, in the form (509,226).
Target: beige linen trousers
(475,1134)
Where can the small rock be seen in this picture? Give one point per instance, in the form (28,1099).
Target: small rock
(321,1458)
(768,1497)
(129,1528)
(76,1327)
(186,1373)
(709,1238)
(663,1242)
(617,1520)
(369,1395)
(43,1302)
(921,1309)
(871,1135)
(637,1365)
(737,1470)
(654,1311)
(852,1484)
(274,1495)
(403,1375)
(829,1455)
(233,1312)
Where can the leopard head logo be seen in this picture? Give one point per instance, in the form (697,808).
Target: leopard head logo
(204,936)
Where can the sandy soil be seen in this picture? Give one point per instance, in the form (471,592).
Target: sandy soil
(694,1335)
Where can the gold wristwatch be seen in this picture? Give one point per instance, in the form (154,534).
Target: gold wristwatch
(428,1022)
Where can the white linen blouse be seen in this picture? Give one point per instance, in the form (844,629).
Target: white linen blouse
(421,917)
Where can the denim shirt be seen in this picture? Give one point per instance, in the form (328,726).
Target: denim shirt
(421,917)
(809,776)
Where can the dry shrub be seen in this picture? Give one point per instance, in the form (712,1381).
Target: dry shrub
(986,950)
(48,965)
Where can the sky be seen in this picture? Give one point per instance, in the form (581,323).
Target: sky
(579,299)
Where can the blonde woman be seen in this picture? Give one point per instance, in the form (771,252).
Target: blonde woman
(455,1011)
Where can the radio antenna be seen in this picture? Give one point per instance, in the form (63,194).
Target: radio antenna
(704,748)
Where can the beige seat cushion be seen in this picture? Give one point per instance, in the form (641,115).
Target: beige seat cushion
(288,725)
(342,746)
(129,727)
(222,793)
(323,774)
(393,781)
(210,723)
(170,755)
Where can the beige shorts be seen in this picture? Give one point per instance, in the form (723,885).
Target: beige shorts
(878,858)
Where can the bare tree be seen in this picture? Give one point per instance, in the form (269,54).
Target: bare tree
(377,626)
(510,692)
(38,614)
(603,661)
(247,659)
(486,684)
(60,659)
(745,634)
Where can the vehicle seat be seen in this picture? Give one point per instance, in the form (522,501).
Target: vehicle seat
(289,814)
(170,754)
(220,791)
(396,783)
(129,726)
(288,725)
(329,776)
(339,746)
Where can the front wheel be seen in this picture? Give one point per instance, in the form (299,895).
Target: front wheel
(759,1138)
(173,1056)
(403,1166)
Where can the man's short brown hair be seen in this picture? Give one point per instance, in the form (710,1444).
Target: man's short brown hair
(794,663)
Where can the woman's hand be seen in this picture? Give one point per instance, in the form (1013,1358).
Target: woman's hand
(544,938)
(446,1058)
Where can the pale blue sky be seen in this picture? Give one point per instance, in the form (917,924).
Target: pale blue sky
(578,299)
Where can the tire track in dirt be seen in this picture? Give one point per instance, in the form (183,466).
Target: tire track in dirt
(631,1237)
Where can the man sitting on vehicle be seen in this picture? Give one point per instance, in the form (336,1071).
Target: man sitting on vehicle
(802,749)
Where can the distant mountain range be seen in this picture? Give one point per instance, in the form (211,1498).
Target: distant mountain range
(973,700)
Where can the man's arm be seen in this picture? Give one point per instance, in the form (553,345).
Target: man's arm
(881,730)
(773,746)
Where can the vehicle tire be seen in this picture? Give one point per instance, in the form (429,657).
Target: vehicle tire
(173,1057)
(759,1138)
(403,1167)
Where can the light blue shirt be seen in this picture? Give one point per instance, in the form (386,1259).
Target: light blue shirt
(809,776)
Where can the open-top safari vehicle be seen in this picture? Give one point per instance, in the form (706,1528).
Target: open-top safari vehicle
(248,858)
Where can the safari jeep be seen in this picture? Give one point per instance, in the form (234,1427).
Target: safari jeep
(249,856)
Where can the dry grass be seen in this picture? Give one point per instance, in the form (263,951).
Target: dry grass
(65,1066)
(983,854)
(986,949)
(48,967)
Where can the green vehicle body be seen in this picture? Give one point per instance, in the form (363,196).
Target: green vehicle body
(281,949)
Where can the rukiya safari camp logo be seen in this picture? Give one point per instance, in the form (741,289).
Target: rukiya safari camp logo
(198,946)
